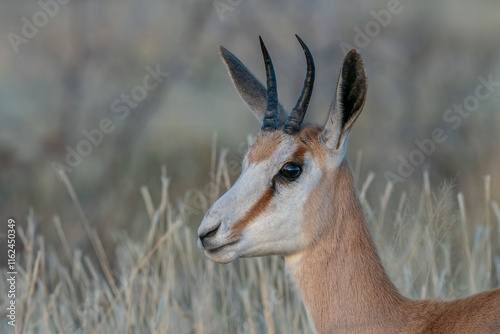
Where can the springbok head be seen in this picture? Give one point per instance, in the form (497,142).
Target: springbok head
(266,211)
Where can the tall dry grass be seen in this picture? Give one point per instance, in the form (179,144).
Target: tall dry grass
(430,246)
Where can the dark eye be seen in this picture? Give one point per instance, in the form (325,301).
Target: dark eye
(290,171)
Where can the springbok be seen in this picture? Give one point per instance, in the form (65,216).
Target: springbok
(296,197)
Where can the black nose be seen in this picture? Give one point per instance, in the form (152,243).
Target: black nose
(208,234)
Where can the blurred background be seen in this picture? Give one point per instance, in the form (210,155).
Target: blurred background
(110,91)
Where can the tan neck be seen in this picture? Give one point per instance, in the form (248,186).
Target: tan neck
(340,276)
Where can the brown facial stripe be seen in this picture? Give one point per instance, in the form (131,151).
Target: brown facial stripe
(300,153)
(309,137)
(253,213)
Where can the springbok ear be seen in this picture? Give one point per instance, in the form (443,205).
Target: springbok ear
(250,89)
(347,103)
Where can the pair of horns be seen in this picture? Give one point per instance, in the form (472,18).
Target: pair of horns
(294,121)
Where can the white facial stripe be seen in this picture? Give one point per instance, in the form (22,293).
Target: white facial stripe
(279,229)
(282,153)
(247,190)
(255,222)
(252,184)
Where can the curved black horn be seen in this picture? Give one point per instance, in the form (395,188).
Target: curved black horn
(270,121)
(296,117)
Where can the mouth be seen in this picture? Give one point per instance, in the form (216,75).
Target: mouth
(217,249)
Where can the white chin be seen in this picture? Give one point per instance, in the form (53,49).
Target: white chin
(221,256)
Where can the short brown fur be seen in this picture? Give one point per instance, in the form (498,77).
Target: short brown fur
(308,137)
(345,287)
(265,144)
(336,264)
